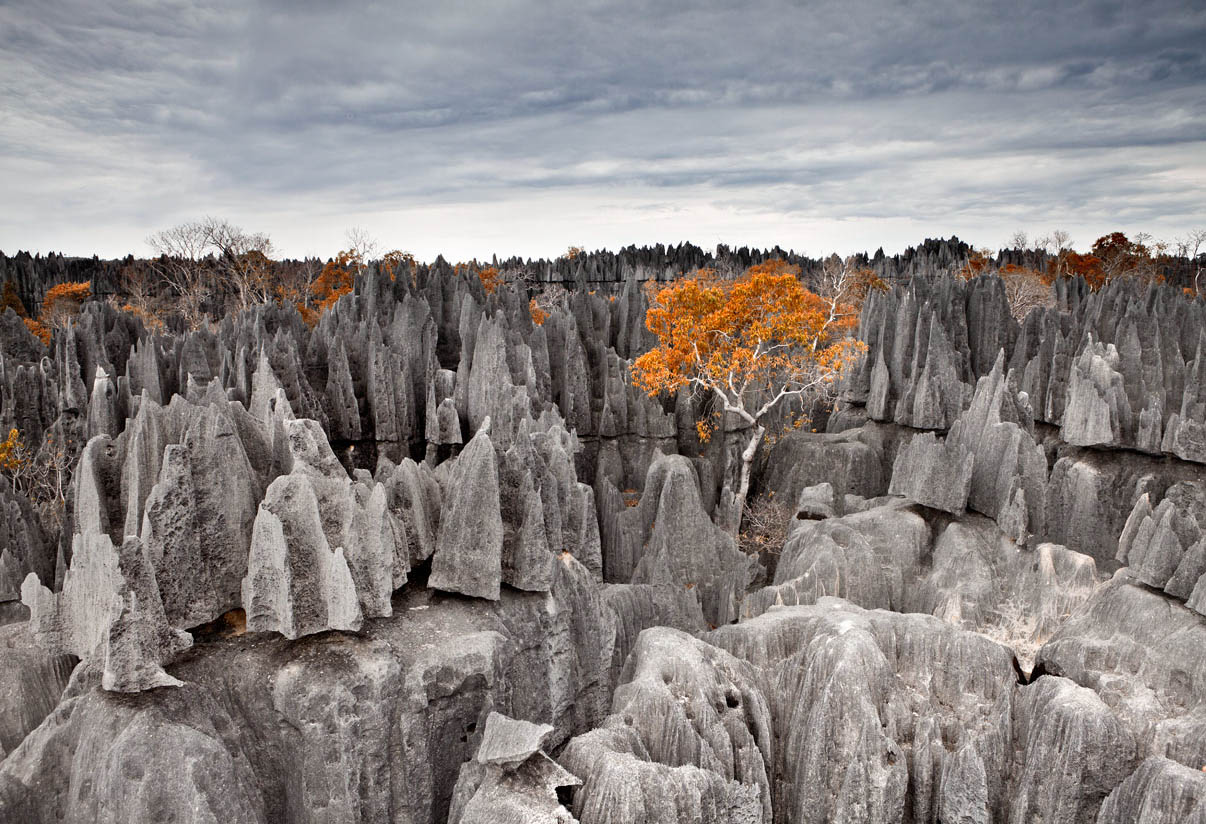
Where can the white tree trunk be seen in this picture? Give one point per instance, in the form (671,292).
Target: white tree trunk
(747,464)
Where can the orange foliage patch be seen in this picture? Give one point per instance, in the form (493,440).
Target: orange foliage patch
(539,316)
(63,300)
(308,314)
(977,264)
(11,459)
(398,261)
(490,278)
(39,331)
(762,331)
(149,319)
(336,279)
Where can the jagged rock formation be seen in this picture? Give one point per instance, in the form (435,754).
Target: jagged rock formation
(325,563)
(1165,548)
(668,537)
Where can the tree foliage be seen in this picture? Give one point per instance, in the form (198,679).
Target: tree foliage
(978,263)
(491,279)
(734,338)
(752,343)
(11,457)
(42,475)
(539,316)
(336,278)
(63,301)
(396,262)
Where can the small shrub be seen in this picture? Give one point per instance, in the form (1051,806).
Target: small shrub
(43,476)
(764,526)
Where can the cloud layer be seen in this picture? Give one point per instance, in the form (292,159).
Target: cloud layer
(521,127)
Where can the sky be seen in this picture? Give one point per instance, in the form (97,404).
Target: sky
(516,127)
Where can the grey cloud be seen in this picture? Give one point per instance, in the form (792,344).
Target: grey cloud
(142,111)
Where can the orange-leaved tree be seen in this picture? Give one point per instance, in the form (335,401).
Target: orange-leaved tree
(1122,257)
(539,316)
(490,278)
(11,457)
(1069,264)
(62,302)
(336,278)
(395,262)
(9,299)
(752,343)
(844,284)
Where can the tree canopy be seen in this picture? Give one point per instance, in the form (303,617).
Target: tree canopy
(752,343)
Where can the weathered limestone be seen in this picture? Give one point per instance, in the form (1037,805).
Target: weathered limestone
(818,711)
(335,729)
(1072,750)
(1098,411)
(803,459)
(296,583)
(681,544)
(198,517)
(325,551)
(859,701)
(871,558)
(24,548)
(468,558)
(689,740)
(413,496)
(934,473)
(1009,473)
(1141,653)
(1166,547)
(31,683)
(1159,792)
(511,779)
(108,609)
(1091,493)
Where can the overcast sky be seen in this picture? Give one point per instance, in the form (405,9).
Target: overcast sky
(513,127)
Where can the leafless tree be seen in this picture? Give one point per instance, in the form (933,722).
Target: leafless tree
(1189,247)
(1055,242)
(843,284)
(200,257)
(1019,240)
(138,283)
(362,245)
(1025,290)
(181,262)
(244,260)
